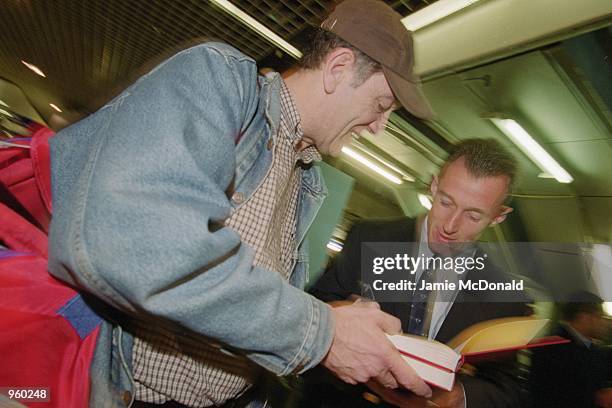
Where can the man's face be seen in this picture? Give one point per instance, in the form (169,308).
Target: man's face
(353,110)
(597,326)
(463,206)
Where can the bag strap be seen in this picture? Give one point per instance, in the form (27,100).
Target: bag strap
(41,162)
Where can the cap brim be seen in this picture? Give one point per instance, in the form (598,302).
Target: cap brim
(409,94)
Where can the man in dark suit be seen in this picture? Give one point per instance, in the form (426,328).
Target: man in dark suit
(468,196)
(573,375)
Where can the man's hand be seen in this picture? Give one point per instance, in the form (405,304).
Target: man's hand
(603,398)
(360,350)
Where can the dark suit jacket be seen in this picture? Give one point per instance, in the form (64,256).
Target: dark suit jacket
(567,375)
(495,385)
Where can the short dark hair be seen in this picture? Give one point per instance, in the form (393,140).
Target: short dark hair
(581,302)
(321,42)
(484,158)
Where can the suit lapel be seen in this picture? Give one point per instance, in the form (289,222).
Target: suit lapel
(408,230)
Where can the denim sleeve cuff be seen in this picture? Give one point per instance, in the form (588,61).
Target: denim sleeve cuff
(319,334)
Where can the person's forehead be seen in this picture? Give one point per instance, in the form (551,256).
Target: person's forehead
(378,82)
(480,192)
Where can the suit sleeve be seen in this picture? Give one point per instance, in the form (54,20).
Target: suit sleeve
(342,275)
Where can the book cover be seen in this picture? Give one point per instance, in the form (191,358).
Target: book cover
(437,363)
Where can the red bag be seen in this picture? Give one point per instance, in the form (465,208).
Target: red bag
(48,333)
(26,178)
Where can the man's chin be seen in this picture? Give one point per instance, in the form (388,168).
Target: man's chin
(335,150)
(439,248)
(451,248)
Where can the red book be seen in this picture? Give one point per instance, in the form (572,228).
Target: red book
(437,363)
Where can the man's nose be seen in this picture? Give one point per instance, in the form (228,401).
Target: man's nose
(379,124)
(452,223)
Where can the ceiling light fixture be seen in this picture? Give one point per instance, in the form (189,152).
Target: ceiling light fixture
(425,201)
(34,68)
(259,28)
(406,176)
(532,149)
(434,12)
(353,154)
(54,106)
(334,245)
(6,113)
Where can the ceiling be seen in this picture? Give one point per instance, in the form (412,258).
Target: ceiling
(550,92)
(89,50)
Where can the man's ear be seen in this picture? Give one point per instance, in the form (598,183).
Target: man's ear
(433,188)
(337,67)
(505,210)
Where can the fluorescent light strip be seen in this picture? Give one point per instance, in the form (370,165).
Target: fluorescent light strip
(405,175)
(9,144)
(434,12)
(334,246)
(435,156)
(532,149)
(425,201)
(34,68)
(608,308)
(258,27)
(54,106)
(353,154)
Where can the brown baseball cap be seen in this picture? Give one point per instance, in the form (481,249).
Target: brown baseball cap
(377,30)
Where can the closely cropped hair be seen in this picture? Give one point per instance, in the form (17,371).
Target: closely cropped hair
(581,302)
(484,158)
(322,42)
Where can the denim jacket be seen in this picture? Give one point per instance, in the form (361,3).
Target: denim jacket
(141,190)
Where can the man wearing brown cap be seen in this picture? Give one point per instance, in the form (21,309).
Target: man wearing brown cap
(184,204)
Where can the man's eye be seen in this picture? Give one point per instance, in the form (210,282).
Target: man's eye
(474,217)
(445,203)
(383,108)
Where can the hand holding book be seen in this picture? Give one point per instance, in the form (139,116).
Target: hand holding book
(359,351)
